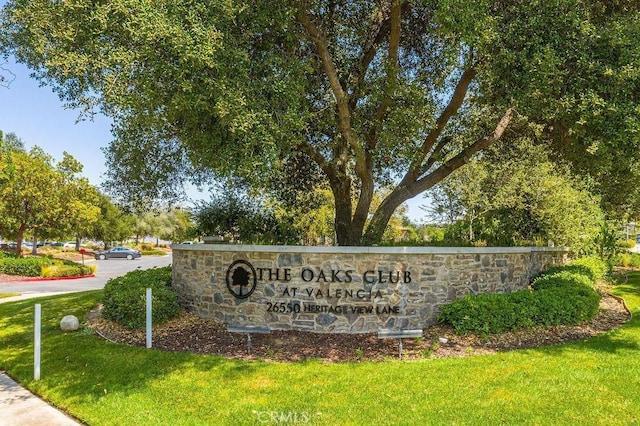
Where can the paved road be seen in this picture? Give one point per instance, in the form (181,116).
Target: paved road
(106,269)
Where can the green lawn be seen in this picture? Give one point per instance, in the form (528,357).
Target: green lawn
(592,382)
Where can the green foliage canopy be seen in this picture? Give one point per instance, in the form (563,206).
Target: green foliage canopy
(112,223)
(514,195)
(240,218)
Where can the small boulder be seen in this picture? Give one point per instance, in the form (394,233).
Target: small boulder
(69,323)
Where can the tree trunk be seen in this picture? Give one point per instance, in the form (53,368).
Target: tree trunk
(19,237)
(381,217)
(377,226)
(343,219)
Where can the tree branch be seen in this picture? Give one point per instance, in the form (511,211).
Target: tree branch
(319,159)
(457,98)
(434,156)
(392,61)
(379,27)
(463,157)
(364,169)
(403,192)
(341,97)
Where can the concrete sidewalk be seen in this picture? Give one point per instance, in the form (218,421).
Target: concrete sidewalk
(19,407)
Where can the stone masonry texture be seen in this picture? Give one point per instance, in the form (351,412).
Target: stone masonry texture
(344,290)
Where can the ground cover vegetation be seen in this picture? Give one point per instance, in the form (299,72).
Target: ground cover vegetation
(104,383)
(381,99)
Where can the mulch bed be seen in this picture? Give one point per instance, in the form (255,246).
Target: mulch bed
(189,333)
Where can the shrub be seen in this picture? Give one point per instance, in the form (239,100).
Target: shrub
(598,267)
(564,278)
(593,267)
(489,313)
(560,296)
(153,253)
(623,259)
(26,267)
(628,259)
(59,269)
(566,305)
(124,297)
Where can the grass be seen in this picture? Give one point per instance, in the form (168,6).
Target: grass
(591,382)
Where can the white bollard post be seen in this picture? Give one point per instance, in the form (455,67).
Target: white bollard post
(149,312)
(37,342)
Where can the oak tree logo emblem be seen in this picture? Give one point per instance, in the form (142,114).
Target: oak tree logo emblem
(241,279)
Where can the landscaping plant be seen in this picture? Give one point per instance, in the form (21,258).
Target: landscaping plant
(124,297)
(560,296)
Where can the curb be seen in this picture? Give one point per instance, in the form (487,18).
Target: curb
(624,304)
(75,277)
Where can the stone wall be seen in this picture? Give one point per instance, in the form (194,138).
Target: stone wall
(344,289)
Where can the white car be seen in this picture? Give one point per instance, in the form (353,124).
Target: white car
(69,245)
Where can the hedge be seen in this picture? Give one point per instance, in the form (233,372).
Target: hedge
(560,296)
(593,267)
(60,269)
(562,278)
(153,253)
(43,267)
(124,298)
(26,267)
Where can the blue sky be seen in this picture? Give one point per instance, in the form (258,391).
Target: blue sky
(37,116)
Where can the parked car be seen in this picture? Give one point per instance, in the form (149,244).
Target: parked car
(118,253)
(69,245)
(58,244)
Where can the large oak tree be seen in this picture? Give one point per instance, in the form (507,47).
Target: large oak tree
(376,94)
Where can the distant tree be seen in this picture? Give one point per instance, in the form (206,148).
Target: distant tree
(308,213)
(172,224)
(239,217)
(11,141)
(516,195)
(40,198)
(112,223)
(142,226)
